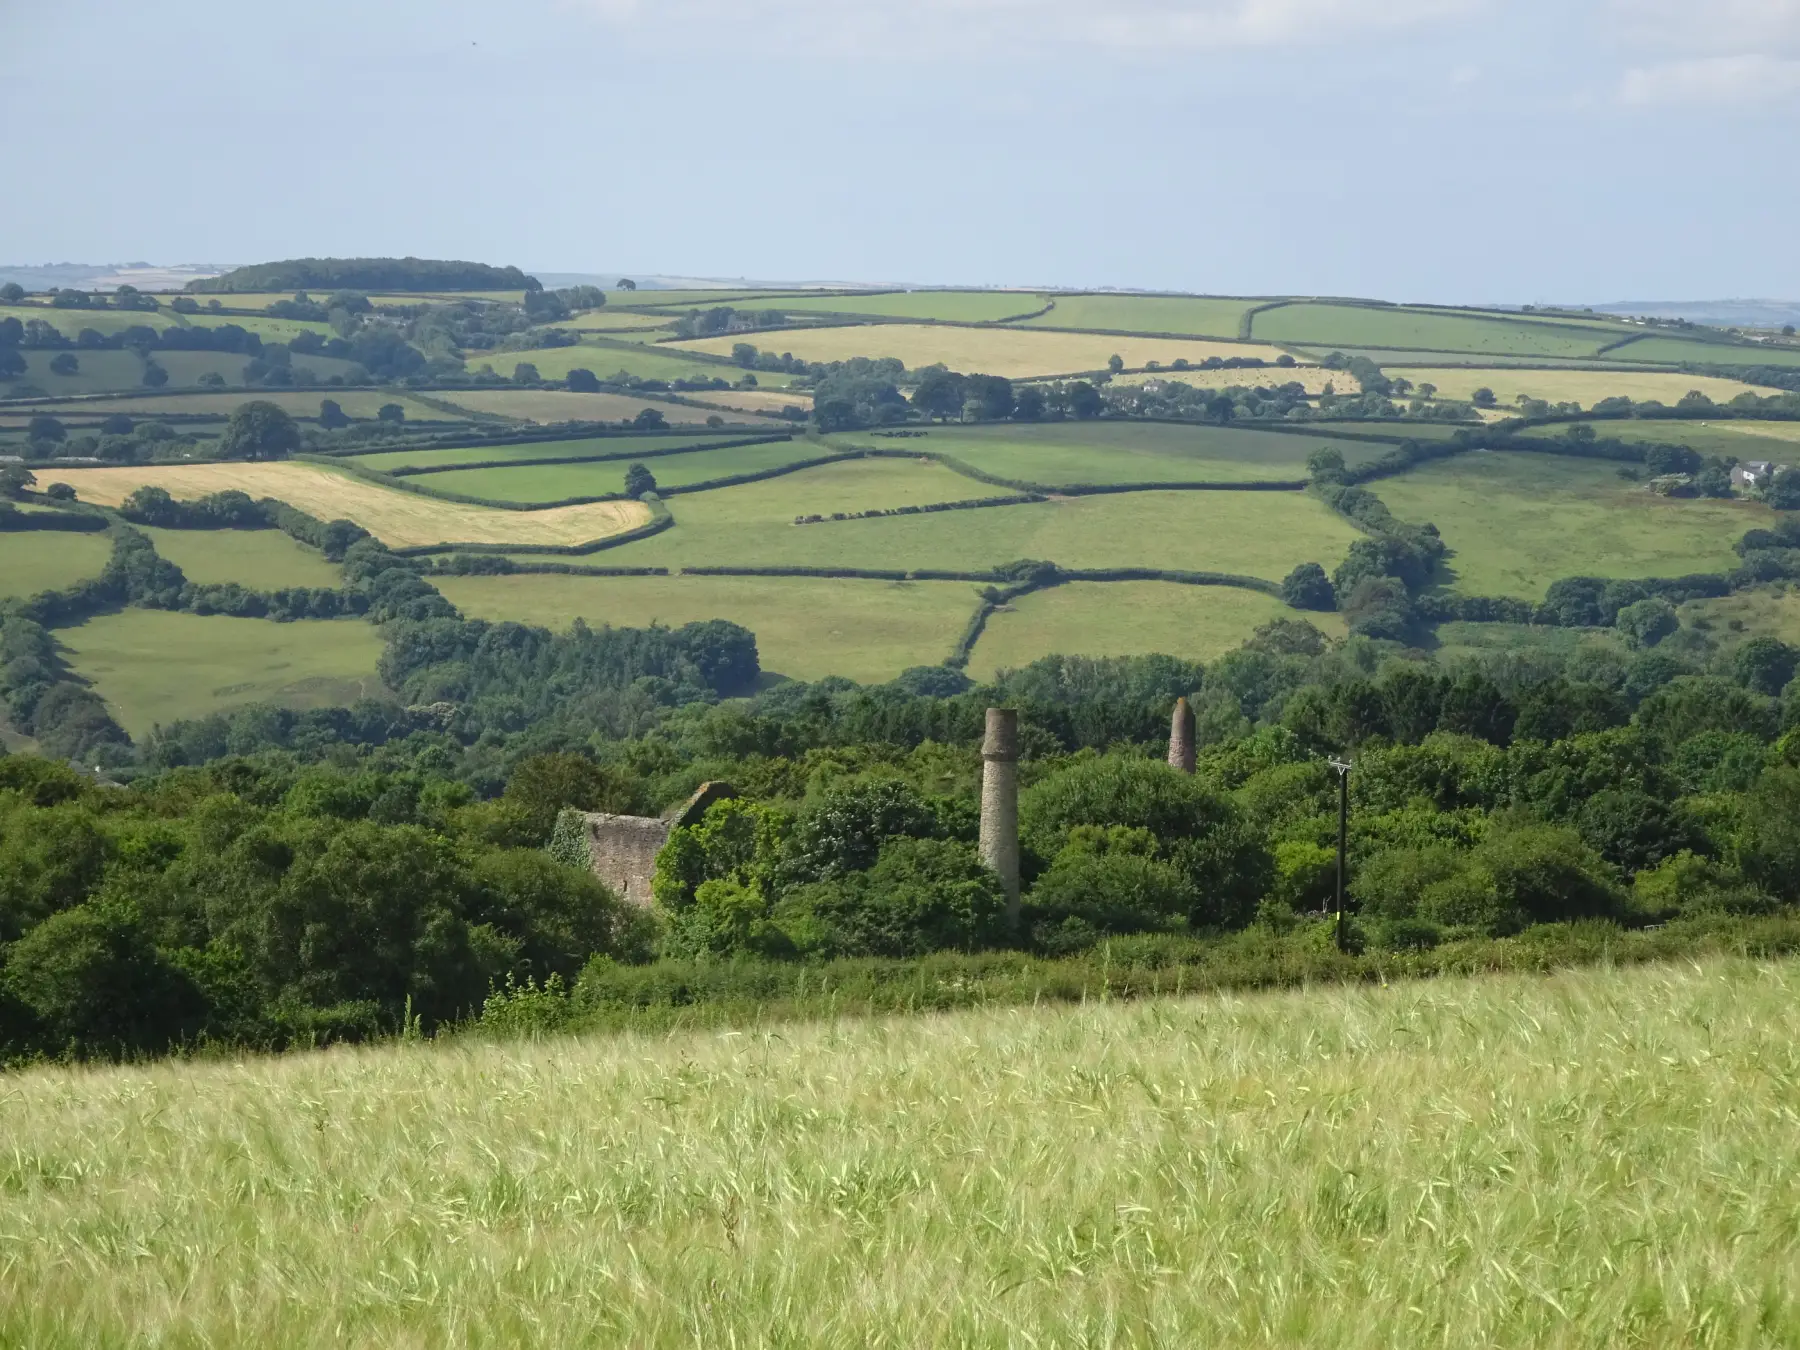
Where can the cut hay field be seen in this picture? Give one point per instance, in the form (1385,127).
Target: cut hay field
(1584,1160)
(1429,330)
(47,560)
(1013,352)
(1125,452)
(1194,316)
(1778,441)
(806,627)
(399,519)
(753,400)
(1312,378)
(949,306)
(534,483)
(663,361)
(548,406)
(1262,534)
(1677,351)
(1515,522)
(1128,618)
(224,663)
(624,446)
(1586,387)
(263,560)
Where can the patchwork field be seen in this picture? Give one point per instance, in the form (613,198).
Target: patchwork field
(1586,387)
(1262,534)
(806,627)
(1429,330)
(400,519)
(1128,618)
(225,663)
(1588,1159)
(45,560)
(1123,452)
(263,560)
(1517,522)
(1147,314)
(549,406)
(1013,352)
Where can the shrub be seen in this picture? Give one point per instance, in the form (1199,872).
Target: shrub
(922,895)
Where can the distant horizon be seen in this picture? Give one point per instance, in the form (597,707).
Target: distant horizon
(564,276)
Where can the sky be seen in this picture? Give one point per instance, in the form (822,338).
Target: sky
(1461,151)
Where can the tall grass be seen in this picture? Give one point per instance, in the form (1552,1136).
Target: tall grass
(1592,1158)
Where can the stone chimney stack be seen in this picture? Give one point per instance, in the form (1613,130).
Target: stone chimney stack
(1000,802)
(1181,737)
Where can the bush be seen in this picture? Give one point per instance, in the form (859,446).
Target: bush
(922,895)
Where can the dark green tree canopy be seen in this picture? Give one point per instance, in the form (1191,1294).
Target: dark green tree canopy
(259,430)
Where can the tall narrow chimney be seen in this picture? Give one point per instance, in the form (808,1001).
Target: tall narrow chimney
(1181,737)
(1000,802)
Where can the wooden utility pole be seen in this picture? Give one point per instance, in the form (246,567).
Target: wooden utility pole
(1343,772)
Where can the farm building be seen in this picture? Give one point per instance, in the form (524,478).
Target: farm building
(1755,473)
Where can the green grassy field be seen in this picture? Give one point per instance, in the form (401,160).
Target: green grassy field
(805,627)
(361,403)
(69,322)
(688,299)
(263,560)
(1456,640)
(1261,534)
(1732,620)
(557,482)
(1128,618)
(617,320)
(1123,452)
(1664,351)
(186,368)
(223,663)
(1517,522)
(1584,1160)
(638,360)
(569,449)
(98,371)
(268,329)
(1428,330)
(1147,314)
(46,560)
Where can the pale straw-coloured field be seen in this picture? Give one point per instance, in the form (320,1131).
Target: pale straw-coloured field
(1013,352)
(1597,1159)
(399,519)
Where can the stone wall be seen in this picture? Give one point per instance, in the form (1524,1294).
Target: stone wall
(622,849)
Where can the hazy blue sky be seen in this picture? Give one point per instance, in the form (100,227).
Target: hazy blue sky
(1465,150)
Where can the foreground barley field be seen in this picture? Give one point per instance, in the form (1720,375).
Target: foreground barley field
(399,519)
(1589,1159)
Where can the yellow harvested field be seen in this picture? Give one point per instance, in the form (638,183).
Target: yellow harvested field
(398,519)
(1013,352)
(752,400)
(1314,378)
(1586,387)
(1774,431)
(560,405)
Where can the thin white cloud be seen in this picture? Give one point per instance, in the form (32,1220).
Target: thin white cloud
(1713,27)
(948,28)
(1715,80)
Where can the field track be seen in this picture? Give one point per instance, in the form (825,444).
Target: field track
(399,519)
